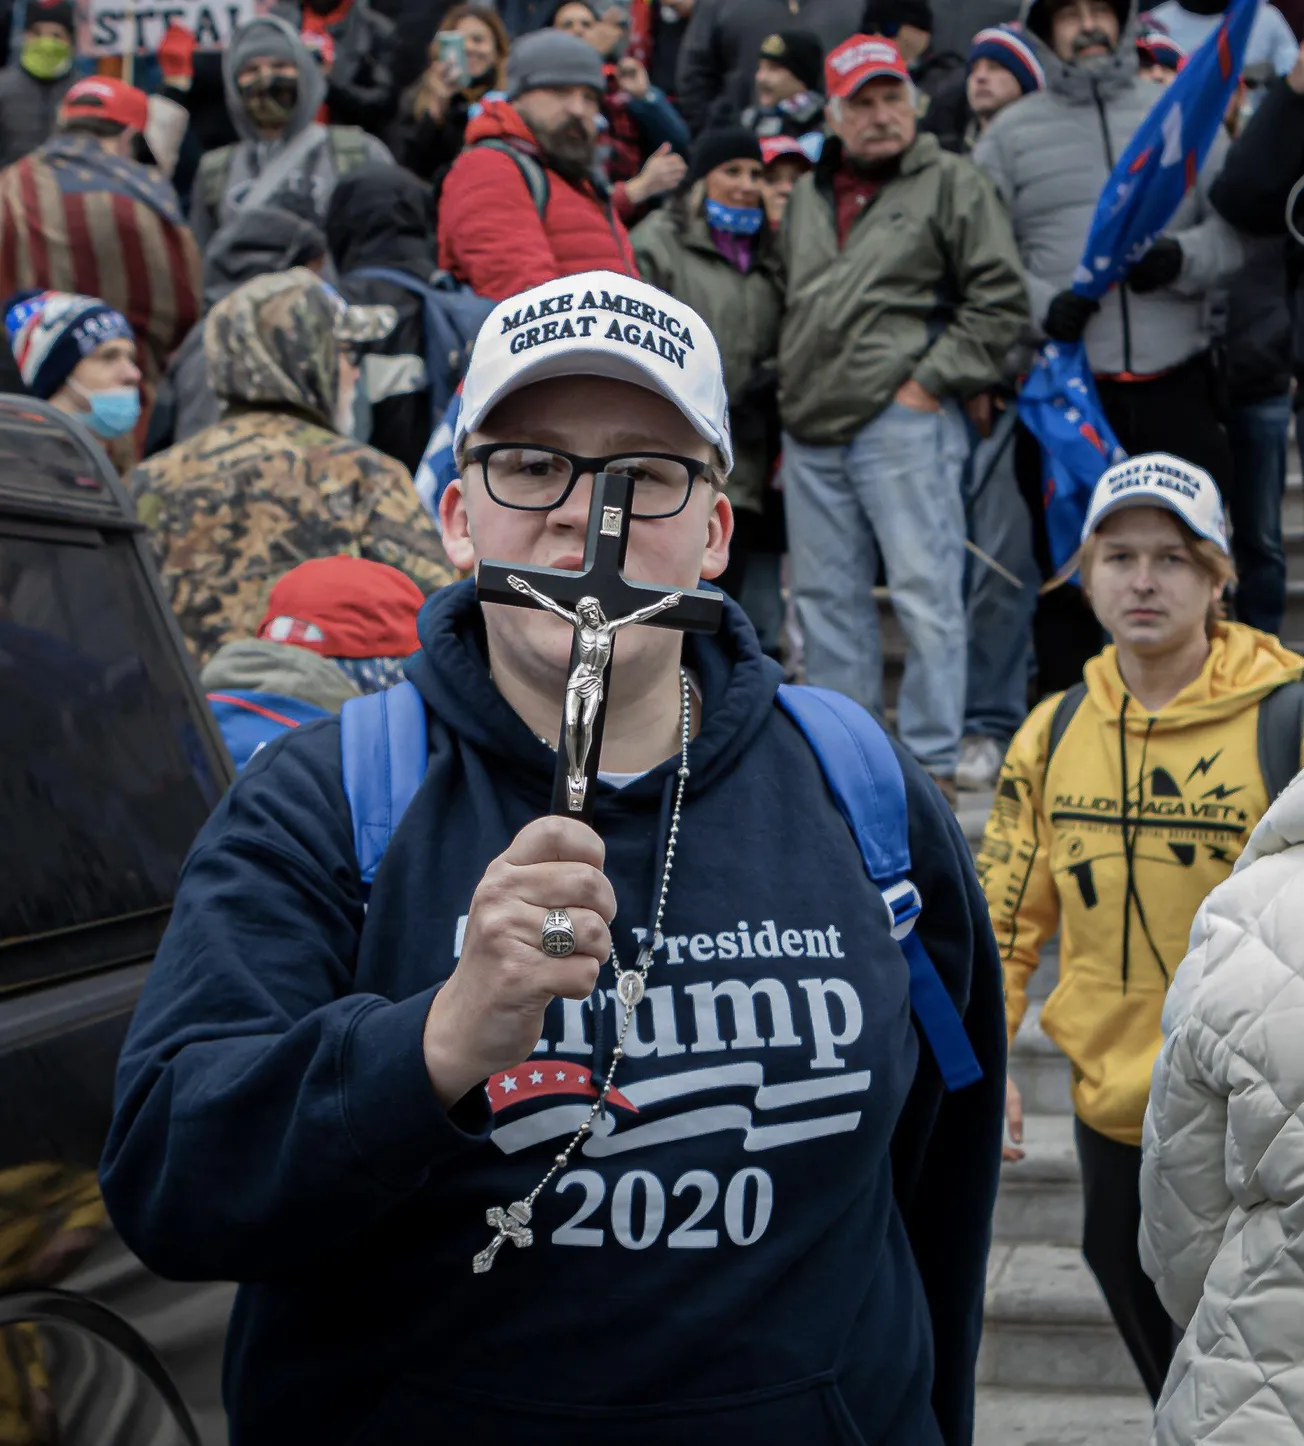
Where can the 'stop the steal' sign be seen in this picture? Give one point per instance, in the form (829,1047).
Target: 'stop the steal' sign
(117,27)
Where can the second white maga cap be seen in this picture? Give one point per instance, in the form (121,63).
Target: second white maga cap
(1156,479)
(599,324)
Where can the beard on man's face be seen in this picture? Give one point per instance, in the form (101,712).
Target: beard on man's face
(1089,40)
(568,146)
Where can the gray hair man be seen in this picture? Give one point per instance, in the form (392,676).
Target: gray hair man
(903,294)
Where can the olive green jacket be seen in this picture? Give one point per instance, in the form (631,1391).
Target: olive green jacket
(675,252)
(928,286)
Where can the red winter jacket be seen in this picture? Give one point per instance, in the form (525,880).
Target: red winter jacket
(490,235)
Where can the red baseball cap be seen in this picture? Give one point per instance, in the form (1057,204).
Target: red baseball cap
(108,99)
(861,58)
(772,147)
(345,607)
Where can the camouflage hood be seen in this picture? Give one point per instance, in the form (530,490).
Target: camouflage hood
(275,342)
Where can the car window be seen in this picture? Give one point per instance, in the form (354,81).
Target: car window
(104,777)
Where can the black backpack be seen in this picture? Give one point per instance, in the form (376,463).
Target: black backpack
(1281,726)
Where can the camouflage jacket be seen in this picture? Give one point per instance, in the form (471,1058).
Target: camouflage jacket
(238,504)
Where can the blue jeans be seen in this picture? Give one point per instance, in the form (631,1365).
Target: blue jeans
(896,485)
(1258,435)
(1000,614)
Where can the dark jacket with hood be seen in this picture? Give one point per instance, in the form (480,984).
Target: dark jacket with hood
(259,240)
(381,216)
(28,107)
(941,77)
(226,176)
(1264,162)
(362,89)
(781,1223)
(1251,192)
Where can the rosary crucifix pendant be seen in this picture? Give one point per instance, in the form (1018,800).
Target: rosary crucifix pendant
(511,1224)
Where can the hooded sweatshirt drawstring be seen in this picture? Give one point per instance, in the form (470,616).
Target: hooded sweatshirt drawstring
(1131,893)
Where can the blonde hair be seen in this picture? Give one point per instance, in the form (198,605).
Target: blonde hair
(1208,557)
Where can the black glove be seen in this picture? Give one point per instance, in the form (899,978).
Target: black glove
(1160,266)
(1067,316)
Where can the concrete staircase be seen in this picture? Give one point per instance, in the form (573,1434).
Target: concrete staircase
(1052,1370)
(1052,1367)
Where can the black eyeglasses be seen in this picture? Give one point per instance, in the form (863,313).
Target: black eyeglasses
(537,479)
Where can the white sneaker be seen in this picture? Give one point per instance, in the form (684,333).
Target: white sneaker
(980,763)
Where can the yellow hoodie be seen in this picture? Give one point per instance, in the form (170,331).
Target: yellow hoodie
(1055,854)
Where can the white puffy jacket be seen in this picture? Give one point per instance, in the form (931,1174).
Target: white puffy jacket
(1222,1179)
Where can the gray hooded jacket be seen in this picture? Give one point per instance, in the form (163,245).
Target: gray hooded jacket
(322,152)
(1050,154)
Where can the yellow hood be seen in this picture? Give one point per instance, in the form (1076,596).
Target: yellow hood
(1114,842)
(1243,664)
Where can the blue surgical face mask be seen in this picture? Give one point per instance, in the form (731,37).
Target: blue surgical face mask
(114,411)
(737,220)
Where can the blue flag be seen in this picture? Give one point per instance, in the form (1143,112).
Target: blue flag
(1058,403)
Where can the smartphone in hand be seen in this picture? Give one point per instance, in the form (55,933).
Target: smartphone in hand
(452,52)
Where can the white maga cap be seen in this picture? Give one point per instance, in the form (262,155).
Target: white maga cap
(1156,479)
(599,324)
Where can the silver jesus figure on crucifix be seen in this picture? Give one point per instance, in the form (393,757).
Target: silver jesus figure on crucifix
(594,634)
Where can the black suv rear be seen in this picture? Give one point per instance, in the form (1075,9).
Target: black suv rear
(109,763)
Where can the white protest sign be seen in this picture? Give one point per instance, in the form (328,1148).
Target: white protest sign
(120,27)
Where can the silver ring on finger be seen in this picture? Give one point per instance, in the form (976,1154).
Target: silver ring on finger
(558,935)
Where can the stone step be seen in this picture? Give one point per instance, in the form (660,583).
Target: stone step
(1046,1326)
(1046,976)
(972,809)
(1293,541)
(1041,1072)
(1292,506)
(1292,621)
(1008,1417)
(1040,1199)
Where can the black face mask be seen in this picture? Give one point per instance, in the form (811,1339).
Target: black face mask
(321,7)
(1203,7)
(270,100)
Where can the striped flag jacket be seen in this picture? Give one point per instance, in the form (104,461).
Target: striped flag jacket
(75,218)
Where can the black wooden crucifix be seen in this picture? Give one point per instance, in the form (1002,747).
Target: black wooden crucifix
(596,601)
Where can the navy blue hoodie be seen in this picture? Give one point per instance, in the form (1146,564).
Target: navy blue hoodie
(779,1227)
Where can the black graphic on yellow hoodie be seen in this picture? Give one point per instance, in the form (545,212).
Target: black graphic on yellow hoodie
(1116,844)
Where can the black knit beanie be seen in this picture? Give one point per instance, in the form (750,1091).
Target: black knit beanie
(717,147)
(800,52)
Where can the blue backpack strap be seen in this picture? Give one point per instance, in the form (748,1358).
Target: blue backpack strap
(384,747)
(866,781)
